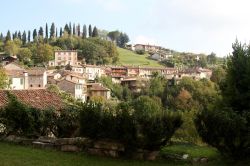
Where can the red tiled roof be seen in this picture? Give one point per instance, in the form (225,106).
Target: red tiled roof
(37,98)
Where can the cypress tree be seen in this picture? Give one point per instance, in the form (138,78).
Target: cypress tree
(84,32)
(8,36)
(52,30)
(15,35)
(1,37)
(29,36)
(56,33)
(70,29)
(61,32)
(74,29)
(34,34)
(66,28)
(24,38)
(90,30)
(19,35)
(40,32)
(95,32)
(46,31)
(78,30)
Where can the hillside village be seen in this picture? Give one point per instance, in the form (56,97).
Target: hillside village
(80,80)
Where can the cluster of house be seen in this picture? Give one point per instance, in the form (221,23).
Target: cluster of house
(157,53)
(80,79)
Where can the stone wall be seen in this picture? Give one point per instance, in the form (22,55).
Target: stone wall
(108,148)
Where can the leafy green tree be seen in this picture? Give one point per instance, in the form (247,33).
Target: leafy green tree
(84,32)
(226,124)
(90,30)
(211,59)
(24,38)
(24,54)
(3,79)
(113,35)
(122,40)
(218,75)
(12,47)
(43,53)
(95,32)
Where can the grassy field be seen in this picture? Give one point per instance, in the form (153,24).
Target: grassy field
(17,155)
(130,58)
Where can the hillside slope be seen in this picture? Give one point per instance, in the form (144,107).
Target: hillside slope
(127,57)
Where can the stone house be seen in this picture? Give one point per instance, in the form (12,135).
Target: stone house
(147,47)
(97,89)
(92,72)
(37,78)
(64,57)
(18,76)
(76,89)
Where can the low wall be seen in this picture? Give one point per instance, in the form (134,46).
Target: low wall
(108,148)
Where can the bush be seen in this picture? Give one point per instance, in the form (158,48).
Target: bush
(67,123)
(140,52)
(225,130)
(144,125)
(16,117)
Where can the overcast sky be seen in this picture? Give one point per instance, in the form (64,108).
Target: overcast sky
(200,26)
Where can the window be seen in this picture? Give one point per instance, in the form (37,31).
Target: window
(70,58)
(21,81)
(59,58)
(31,85)
(78,86)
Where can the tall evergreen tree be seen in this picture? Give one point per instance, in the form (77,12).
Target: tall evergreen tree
(15,35)
(52,30)
(24,38)
(56,33)
(29,36)
(78,29)
(8,36)
(19,35)
(61,32)
(90,30)
(66,28)
(70,29)
(1,36)
(95,32)
(74,29)
(46,31)
(84,32)
(40,32)
(34,34)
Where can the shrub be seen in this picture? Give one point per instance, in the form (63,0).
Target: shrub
(225,130)
(16,117)
(140,52)
(67,122)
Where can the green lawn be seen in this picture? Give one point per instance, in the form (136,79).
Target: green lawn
(127,57)
(15,155)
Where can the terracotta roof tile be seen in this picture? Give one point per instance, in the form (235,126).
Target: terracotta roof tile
(38,98)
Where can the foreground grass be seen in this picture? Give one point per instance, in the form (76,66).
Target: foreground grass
(26,156)
(17,155)
(128,57)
